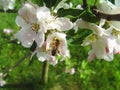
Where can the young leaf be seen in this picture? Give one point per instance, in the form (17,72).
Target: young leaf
(89,16)
(51,3)
(69,12)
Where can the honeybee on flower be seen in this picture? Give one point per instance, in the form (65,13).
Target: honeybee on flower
(39,26)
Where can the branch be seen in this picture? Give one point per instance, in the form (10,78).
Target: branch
(84,4)
(17,64)
(21,60)
(109,17)
(9,11)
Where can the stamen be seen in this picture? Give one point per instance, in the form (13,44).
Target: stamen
(115,32)
(35,27)
(92,38)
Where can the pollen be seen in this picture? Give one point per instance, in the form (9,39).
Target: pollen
(35,27)
(115,32)
(92,37)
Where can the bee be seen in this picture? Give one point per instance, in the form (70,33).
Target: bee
(55,45)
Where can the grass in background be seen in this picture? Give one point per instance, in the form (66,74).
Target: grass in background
(95,75)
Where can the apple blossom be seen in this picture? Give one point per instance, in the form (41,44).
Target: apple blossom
(40,26)
(54,45)
(70,71)
(44,55)
(35,21)
(60,24)
(105,43)
(7,31)
(31,29)
(2,82)
(53,22)
(57,44)
(7,4)
(109,8)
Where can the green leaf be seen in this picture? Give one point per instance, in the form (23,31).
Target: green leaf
(74,13)
(39,2)
(51,3)
(77,38)
(89,16)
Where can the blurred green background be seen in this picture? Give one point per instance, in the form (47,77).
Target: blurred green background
(95,75)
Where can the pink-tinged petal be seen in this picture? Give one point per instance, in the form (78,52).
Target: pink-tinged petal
(7,31)
(63,24)
(48,41)
(43,27)
(53,60)
(118,52)
(28,12)
(26,36)
(72,71)
(63,49)
(117,48)
(107,49)
(20,21)
(91,56)
(40,39)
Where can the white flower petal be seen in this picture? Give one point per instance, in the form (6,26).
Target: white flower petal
(115,24)
(28,12)
(43,13)
(60,36)
(106,6)
(91,55)
(7,4)
(26,36)
(99,48)
(63,24)
(117,3)
(20,21)
(39,39)
(42,56)
(53,60)
(63,49)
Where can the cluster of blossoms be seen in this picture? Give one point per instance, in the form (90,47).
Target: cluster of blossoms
(7,4)
(40,27)
(105,41)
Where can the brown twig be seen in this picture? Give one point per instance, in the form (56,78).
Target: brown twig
(17,64)
(109,17)
(9,11)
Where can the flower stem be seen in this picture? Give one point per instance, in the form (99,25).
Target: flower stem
(45,72)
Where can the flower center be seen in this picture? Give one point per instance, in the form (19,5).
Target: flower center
(115,32)
(55,45)
(35,27)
